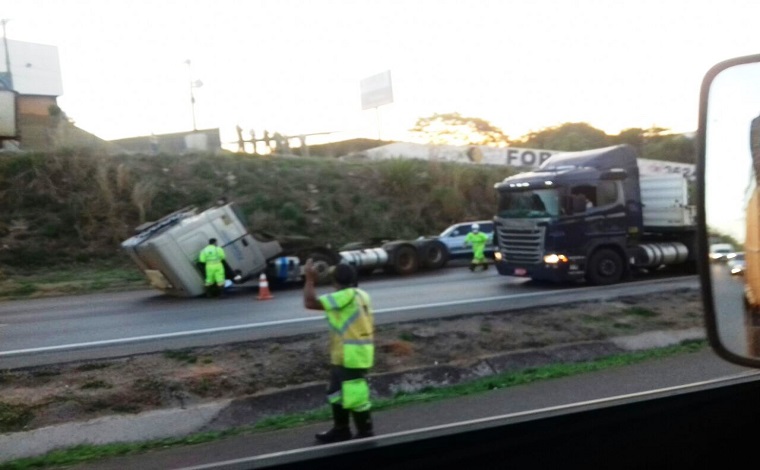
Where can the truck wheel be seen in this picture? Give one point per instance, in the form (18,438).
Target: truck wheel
(322,265)
(434,255)
(605,267)
(405,260)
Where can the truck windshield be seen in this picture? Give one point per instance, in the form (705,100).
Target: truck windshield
(529,203)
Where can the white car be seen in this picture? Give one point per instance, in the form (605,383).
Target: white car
(453,237)
(736,263)
(720,251)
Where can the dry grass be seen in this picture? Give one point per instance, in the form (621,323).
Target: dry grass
(78,207)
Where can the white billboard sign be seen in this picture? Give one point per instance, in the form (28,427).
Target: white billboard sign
(35,68)
(510,156)
(376,90)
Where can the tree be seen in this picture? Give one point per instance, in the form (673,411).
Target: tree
(634,136)
(670,147)
(455,129)
(568,137)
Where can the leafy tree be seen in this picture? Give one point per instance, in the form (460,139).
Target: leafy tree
(635,137)
(671,147)
(567,137)
(455,129)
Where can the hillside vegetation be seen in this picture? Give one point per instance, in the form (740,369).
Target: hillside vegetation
(70,209)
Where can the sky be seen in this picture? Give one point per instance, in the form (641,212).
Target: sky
(294,66)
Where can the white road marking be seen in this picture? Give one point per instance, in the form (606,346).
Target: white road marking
(311,318)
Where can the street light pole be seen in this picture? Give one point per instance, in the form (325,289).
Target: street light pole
(193,84)
(7,55)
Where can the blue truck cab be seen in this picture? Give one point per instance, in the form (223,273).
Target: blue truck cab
(590,216)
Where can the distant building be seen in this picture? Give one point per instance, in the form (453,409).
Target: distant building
(35,74)
(202,140)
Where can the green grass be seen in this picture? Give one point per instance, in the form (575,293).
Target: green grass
(95,384)
(14,417)
(640,312)
(181,355)
(90,453)
(74,278)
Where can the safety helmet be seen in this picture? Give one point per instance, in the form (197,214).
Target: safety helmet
(475,227)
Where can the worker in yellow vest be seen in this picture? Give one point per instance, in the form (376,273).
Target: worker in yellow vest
(351,322)
(478,240)
(212,257)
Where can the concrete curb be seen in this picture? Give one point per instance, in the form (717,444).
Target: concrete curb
(248,410)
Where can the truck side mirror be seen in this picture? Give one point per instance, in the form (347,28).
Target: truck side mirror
(728,142)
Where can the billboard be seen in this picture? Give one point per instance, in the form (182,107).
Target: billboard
(376,90)
(35,68)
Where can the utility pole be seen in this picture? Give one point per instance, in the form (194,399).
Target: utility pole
(9,81)
(193,84)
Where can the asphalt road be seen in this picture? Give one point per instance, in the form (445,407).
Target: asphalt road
(44,331)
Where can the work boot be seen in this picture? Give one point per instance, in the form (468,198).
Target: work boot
(209,291)
(363,422)
(340,431)
(472,267)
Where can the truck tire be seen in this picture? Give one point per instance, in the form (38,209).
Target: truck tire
(434,255)
(604,267)
(322,263)
(405,260)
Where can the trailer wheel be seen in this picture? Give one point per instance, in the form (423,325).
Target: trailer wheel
(405,260)
(321,263)
(605,267)
(434,255)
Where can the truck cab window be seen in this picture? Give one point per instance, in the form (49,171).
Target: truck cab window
(585,193)
(607,193)
(529,203)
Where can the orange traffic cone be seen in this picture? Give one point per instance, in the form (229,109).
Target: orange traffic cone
(264,293)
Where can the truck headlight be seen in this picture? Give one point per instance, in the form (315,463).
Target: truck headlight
(497,256)
(555,259)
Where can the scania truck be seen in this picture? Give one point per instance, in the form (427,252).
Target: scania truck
(166,251)
(590,216)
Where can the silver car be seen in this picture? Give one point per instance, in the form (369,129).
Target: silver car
(736,263)
(453,237)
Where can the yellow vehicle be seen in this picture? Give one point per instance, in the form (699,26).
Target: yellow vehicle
(752,249)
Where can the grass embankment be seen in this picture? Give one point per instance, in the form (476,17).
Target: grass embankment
(64,209)
(90,453)
(72,279)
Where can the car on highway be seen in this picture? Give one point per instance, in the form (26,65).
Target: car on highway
(453,237)
(736,263)
(719,252)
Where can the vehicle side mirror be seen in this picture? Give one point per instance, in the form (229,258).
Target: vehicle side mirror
(728,142)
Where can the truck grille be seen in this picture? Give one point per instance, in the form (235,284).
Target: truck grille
(521,241)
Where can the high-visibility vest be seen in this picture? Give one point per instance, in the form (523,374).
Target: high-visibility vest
(476,239)
(212,254)
(350,317)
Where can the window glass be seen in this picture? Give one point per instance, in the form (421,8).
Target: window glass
(322,120)
(607,192)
